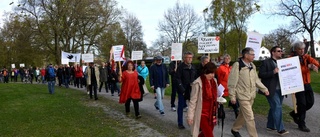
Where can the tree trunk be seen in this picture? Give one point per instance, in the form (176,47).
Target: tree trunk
(312,45)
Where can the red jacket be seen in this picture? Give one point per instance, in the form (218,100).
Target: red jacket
(222,74)
(43,72)
(307,59)
(78,72)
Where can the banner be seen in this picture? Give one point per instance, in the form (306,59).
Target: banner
(71,57)
(254,41)
(21,65)
(13,65)
(137,55)
(290,75)
(87,58)
(118,52)
(208,44)
(176,51)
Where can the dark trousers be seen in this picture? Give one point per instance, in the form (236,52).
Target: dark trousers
(12,78)
(174,93)
(6,79)
(114,87)
(60,80)
(135,106)
(105,85)
(181,105)
(93,87)
(78,82)
(305,101)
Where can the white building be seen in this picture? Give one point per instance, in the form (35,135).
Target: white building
(317,49)
(264,53)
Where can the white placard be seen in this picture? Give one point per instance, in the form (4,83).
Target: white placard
(13,65)
(118,52)
(87,58)
(64,61)
(22,65)
(208,44)
(220,90)
(136,55)
(176,51)
(290,75)
(254,41)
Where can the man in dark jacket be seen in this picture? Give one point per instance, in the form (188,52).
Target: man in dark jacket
(268,73)
(103,69)
(159,80)
(66,75)
(60,75)
(186,74)
(174,86)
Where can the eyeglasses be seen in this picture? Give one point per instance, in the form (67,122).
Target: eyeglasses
(279,50)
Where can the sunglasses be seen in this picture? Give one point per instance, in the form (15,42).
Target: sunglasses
(279,50)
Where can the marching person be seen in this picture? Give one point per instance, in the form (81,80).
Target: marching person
(130,88)
(305,99)
(159,80)
(203,105)
(103,69)
(93,79)
(174,86)
(144,72)
(268,73)
(242,83)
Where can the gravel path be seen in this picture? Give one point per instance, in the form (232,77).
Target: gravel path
(170,119)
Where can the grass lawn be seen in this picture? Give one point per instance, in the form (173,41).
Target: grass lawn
(315,81)
(29,110)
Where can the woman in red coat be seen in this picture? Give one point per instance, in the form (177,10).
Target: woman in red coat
(222,74)
(78,74)
(130,88)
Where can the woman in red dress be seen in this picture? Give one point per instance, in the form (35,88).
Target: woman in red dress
(130,88)
(203,105)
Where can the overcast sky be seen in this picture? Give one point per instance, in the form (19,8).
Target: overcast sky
(150,12)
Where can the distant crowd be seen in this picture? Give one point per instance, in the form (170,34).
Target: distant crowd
(195,88)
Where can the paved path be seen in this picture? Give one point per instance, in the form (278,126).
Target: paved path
(313,118)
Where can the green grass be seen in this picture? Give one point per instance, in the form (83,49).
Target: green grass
(315,81)
(29,110)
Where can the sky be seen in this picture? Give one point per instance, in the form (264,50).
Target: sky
(150,12)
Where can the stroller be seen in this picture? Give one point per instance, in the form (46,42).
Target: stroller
(27,78)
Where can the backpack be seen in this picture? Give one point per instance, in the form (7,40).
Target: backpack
(51,73)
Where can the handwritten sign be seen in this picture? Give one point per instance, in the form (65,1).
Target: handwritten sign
(176,51)
(136,55)
(208,44)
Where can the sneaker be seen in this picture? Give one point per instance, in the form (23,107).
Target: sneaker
(162,113)
(181,127)
(235,134)
(185,109)
(271,129)
(283,132)
(173,109)
(156,107)
(294,117)
(304,129)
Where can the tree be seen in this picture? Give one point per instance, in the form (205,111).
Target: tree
(133,31)
(225,16)
(279,37)
(305,16)
(180,23)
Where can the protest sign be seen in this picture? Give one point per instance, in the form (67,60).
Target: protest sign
(290,75)
(71,57)
(118,52)
(176,51)
(22,65)
(13,65)
(136,55)
(87,58)
(208,44)
(254,41)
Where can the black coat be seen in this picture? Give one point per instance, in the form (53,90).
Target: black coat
(154,74)
(172,66)
(185,76)
(268,78)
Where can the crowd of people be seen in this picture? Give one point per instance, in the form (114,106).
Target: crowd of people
(196,87)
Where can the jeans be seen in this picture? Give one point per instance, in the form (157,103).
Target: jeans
(51,86)
(158,103)
(181,105)
(275,111)
(174,93)
(66,81)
